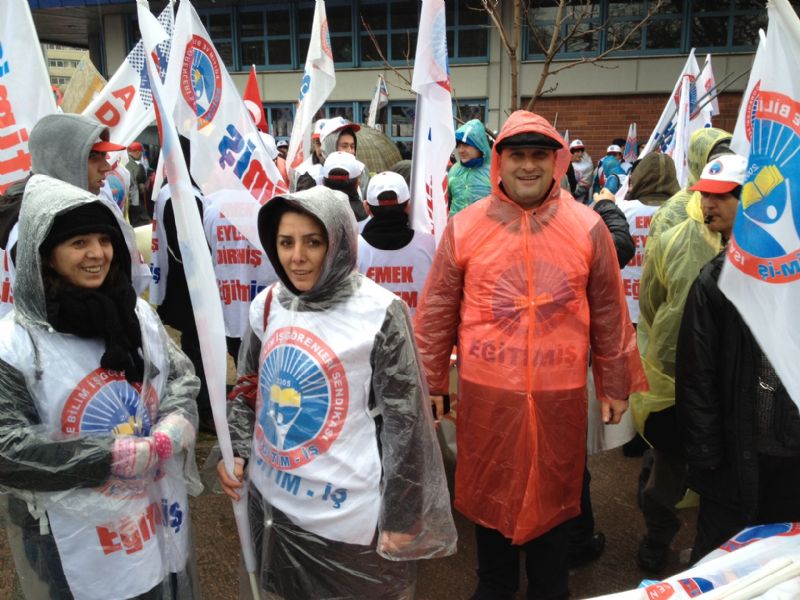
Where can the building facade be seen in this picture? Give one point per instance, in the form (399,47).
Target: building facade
(613,85)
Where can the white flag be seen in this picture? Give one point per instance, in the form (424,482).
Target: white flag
(743,132)
(125,105)
(25,93)
(197,266)
(319,79)
(707,86)
(434,136)
(663,135)
(761,275)
(629,153)
(229,161)
(379,100)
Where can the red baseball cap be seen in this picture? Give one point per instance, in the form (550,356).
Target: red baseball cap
(136,147)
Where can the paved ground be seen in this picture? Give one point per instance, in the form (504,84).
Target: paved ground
(613,490)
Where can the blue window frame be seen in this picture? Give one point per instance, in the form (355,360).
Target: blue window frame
(280,118)
(221,25)
(340,15)
(265,37)
(727,26)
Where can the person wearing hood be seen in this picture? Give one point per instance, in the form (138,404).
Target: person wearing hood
(343,172)
(609,173)
(739,426)
(97,412)
(672,262)
(72,148)
(332,418)
(652,183)
(389,251)
(305,174)
(584,170)
(519,280)
(468,179)
(704,145)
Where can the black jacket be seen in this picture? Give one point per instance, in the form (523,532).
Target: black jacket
(716,376)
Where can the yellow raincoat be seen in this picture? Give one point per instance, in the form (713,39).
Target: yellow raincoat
(673,260)
(673,211)
(525,293)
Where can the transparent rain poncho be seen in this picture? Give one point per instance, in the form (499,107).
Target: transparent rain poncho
(75,528)
(670,268)
(347,486)
(673,211)
(525,294)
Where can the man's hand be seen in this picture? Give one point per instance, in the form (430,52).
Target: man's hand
(229,486)
(604,194)
(438,408)
(613,409)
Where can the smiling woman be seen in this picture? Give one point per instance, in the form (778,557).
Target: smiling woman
(97,411)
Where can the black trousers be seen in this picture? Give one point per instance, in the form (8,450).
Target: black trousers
(545,565)
(778,502)
(581,528)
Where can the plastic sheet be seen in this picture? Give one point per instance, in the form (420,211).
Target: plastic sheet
(525,294)
(331,411)
(671,267)
(465,185)
(76,528)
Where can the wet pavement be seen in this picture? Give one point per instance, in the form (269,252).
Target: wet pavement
(614,480)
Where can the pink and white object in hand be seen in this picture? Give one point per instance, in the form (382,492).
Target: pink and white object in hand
(177,430)
(133,456)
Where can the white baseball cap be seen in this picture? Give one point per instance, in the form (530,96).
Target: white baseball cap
(722,175)
(319,125)
(344,161)
(613,148)
(282,144)
(576,145)
(387,181)
(336,124)
(269,143)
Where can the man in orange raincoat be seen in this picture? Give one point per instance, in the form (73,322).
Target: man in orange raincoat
(525,281)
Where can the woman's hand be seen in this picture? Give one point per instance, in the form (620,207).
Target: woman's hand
(230,485)
(393,542)
(173,434)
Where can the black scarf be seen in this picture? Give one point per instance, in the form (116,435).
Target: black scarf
(107,312)
(388,231)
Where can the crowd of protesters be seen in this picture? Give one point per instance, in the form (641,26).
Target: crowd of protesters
(553,273)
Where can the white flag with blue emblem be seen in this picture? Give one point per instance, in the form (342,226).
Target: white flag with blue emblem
(434,136)
(229,161)
(125,104)
(319,79)
(761,276)
(25,94)
(679,119)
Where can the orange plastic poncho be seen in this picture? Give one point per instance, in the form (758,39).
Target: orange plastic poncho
(525,293)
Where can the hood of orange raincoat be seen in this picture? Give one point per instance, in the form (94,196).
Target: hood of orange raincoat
(523,121)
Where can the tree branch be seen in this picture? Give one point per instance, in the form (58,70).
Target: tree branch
(400,75)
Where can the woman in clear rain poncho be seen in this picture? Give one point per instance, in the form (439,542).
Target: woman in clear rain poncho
(97,412)
(346,481)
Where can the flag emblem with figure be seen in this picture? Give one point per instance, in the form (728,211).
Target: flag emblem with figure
(762,272)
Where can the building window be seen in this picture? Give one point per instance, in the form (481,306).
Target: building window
(675,28)
(467,31)
(265,37)
(280,118)
(219,24)
(340,27)
(466,110)
(394,27)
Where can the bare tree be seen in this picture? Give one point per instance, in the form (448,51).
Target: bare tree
(572,21)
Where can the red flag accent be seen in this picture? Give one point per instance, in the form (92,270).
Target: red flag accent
(252,100)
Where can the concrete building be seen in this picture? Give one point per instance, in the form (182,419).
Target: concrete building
(594,101)
(61,62)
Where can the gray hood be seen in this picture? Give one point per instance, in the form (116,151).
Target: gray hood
(60,145)
(339,276)
(44,199)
